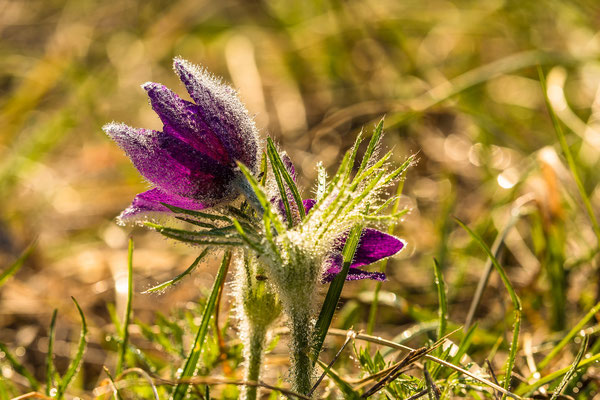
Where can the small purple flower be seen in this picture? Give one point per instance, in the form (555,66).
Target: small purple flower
(192,161)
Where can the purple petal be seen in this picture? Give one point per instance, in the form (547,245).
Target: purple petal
(221,110)
(173,165)
(308,204)
(287,161)
(373,246)
(355,274)
(182,119)
(150,202)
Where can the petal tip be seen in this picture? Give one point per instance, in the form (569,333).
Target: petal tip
(183,66)
(115,129)
(149,86)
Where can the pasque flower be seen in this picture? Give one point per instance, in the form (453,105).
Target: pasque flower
(206,155)
(192,161)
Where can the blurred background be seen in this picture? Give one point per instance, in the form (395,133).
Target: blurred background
(455,80)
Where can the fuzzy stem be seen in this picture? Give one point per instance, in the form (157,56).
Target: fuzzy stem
(302,367)
(254,355)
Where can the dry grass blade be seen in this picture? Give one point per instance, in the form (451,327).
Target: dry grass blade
(351,335)
(196,380)
(493,375)
(32,395)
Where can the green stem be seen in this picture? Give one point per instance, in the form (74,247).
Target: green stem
(302,366)
(254,355)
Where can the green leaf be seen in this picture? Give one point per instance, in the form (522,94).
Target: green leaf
(514,298)
(192,360)
(19,368)
(464,344)
(443,305)
(372,146)
(198,214)
(212,237)
(573,369)
(189,270)
(15,266)
(557,374)
(50,372)
(112,381)
(570,159)
(261,196)
(245,237)
(127,317)
(74,365)
(334,292)
(574,331)
(274,156)
(321,181)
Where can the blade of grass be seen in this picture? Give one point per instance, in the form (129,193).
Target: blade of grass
(443,305)
(344,386)
(524,391)
(349,338)
(574,331)
(112,382)
(189,270)
(569,156)
(514,298)
(74,365)
(334,292)
(17,264)
(192,360)
(573,369)
(50,354)
(464,344)
(19,368)
(487,271)
(127,317)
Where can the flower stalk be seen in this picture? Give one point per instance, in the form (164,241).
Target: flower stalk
(254,349)
(301,331)
(258,307)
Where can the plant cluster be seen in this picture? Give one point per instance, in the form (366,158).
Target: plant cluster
(207,170)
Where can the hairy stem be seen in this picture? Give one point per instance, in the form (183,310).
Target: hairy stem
(301,330)
(254,355)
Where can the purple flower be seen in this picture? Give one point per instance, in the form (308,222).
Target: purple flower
(192,161)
